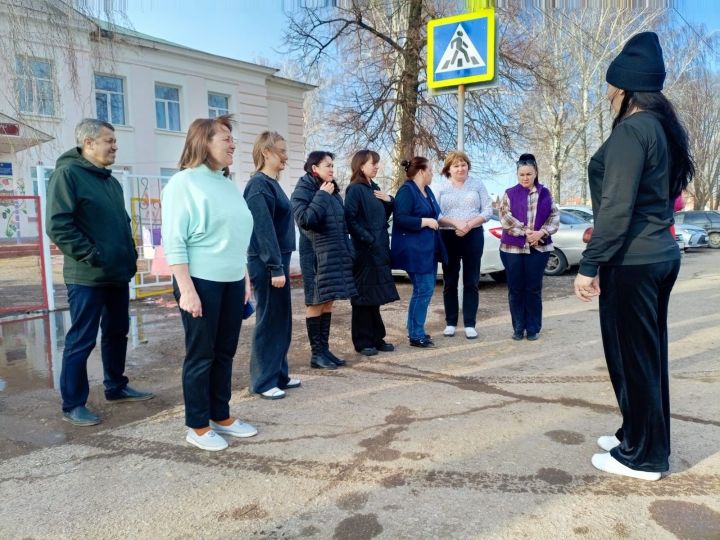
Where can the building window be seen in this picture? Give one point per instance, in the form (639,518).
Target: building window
(167,107)
(110,99)
(34,86)
(217,105)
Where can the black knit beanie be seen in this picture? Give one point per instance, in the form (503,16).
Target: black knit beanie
(639,67)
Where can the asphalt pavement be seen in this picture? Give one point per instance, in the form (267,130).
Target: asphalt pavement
(486,438)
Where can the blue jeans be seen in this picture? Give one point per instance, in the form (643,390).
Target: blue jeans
(92,308)
(524,280)
(423,288)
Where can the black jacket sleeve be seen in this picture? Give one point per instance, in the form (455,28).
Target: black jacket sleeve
(262,208)
(353,215)
(309,207)
(625,157)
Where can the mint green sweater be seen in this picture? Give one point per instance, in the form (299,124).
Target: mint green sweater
(206,224)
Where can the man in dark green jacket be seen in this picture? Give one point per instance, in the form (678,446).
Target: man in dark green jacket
(86,219)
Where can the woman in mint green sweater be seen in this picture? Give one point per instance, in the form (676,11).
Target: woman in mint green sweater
(206,228)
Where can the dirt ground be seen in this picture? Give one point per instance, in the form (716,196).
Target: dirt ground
(488,438)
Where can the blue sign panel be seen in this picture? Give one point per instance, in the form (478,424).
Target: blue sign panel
(461,49)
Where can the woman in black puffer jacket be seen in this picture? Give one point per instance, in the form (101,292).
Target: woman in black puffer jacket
(367,210)
(326,258)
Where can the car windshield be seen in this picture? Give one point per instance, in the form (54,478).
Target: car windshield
(566,218)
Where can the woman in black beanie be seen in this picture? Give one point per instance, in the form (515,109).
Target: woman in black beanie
(634,178)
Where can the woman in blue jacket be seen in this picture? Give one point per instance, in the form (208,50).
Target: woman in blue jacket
(416,245)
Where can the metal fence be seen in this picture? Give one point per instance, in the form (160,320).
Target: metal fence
(23,284)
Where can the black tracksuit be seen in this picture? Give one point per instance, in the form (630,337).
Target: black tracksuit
(638,261)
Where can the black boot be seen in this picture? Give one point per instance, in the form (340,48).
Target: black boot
(314,331)
(326,318)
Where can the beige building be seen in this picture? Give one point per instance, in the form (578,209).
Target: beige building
(148,88)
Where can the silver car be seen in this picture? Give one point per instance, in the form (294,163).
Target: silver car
(692,235)
(569,242)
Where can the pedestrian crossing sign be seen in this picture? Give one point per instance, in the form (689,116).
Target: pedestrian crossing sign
(461,49)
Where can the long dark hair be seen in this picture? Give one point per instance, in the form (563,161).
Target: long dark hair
(359,159)
(682,166)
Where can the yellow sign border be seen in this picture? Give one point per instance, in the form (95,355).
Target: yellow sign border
(488,14)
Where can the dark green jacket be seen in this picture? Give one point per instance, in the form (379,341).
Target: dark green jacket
(86,219)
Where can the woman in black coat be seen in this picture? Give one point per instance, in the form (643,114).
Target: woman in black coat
(367,210)
(325,252)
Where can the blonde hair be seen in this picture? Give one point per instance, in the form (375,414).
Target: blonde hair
(452,157)
(265,141)
(198,137)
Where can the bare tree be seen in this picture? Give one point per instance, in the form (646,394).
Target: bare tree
(376,51)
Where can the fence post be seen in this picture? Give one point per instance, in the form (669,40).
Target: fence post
(127,196)
(47,258)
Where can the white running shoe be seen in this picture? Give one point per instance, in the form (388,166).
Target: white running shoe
(236,429)
(607,463)
(470,332)
(210,441)
(608,442)
(449,331)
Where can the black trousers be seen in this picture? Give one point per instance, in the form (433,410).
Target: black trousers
(210,345)
(633,320)
(273,327)
(367,327)
(468,250)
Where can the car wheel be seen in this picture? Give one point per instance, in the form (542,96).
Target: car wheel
(714,239)
(499,277)
(556,264)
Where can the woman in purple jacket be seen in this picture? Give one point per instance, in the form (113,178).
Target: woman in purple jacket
(529,217)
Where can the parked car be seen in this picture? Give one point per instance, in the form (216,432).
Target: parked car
(692,236)
(583,212)
(708,220)
(569,242)
(490,264)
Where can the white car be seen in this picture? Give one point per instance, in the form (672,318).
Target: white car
(490,263)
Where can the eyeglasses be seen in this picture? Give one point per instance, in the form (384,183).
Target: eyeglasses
(522,162)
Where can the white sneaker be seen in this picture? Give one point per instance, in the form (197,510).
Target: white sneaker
(608,442)
(273,393)
(607,463)
(470,332)
(236,429)
(209,441)
(449,331)
(293,383)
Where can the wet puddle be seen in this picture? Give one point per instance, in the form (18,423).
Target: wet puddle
(31,347)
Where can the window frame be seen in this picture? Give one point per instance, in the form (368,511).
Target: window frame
(166,107)
(27,76)
(109,94)
(218,109)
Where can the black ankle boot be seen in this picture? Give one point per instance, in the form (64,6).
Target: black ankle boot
(326,318)
(314,331)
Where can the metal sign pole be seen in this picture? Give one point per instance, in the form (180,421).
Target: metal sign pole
(461,118)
